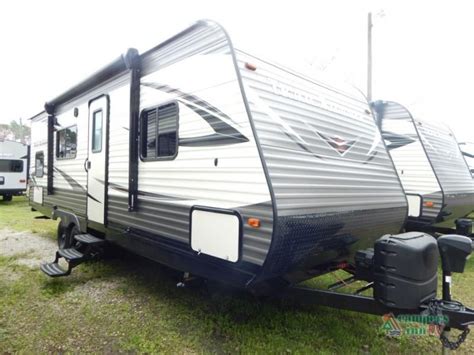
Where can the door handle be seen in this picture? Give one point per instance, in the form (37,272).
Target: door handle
(87,165)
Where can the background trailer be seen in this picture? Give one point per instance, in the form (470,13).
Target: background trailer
(13,168)
(432,169)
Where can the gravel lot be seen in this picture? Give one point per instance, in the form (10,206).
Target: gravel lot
(30,249)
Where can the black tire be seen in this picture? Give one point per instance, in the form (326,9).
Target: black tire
(7,198)
(62,236)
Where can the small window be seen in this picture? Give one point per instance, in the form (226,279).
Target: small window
(66,143)
(39,164)
(97,131)
(11,166)
(159,132)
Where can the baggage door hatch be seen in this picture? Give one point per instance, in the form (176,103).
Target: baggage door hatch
(96,163)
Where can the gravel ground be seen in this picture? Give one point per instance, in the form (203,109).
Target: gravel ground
(30,249)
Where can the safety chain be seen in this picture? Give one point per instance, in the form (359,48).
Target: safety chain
(435,309)
(453,345)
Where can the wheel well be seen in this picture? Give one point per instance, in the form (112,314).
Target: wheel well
(68,219)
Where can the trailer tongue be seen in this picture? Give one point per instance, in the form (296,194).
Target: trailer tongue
(384,271)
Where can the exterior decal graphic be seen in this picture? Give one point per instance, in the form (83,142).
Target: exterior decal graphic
(339,144)
(224,134)
(397,140)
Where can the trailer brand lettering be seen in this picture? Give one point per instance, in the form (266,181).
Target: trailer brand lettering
(293,93)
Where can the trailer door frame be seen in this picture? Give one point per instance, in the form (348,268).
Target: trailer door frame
(97,159)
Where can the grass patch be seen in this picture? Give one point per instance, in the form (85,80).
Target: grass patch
(129,304)
(17,215)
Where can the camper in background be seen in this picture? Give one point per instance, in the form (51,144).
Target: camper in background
(13,169)
(432,170)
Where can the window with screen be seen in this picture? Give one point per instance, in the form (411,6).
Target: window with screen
(159,132)
(66,143)
(39,164)
(11,166)
(97,126)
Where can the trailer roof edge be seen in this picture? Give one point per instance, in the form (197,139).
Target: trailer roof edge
(37,115)
(120,64)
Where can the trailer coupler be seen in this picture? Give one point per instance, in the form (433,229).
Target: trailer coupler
(447,314)
(394,254)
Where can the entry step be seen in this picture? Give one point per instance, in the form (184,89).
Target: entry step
(54,270)
(88,239)
(71,254)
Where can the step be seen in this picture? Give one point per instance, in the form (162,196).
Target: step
(71,254)
(54,270)
(88,239)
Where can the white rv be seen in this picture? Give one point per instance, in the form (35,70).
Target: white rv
(215,162)
(162,152)
(13,169)
(467,149)
(431,167)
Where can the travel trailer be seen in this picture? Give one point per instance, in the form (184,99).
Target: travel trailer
(431,167)
(467,149)
(217,163)
(13,169)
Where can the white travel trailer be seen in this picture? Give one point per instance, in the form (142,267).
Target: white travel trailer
(432,169)
(467,149)
(214,162)
(13,169)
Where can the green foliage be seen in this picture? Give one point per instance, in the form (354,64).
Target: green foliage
(20,132)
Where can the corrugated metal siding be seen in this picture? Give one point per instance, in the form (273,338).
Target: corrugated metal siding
(446,157)
(308,175)
(169,188)
(203,38)
(67,199)
(335,186)
(411,162)
(450,168)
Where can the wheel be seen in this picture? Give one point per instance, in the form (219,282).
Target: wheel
(7,197)
(66,236)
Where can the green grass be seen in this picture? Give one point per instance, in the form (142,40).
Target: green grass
(16,215)
(128,304)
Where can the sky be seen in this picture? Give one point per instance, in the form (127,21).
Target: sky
(423,53)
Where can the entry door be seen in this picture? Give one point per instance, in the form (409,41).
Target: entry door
(96,163)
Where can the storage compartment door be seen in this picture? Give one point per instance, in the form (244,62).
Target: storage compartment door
(216,233)
(38,195)
(414,205)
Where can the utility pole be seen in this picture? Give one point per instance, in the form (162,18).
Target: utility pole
(369,57)
(21,132)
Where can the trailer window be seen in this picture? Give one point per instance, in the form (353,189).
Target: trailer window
(66,143)
(11,166)
(97,131)
(39,164)
(159,132)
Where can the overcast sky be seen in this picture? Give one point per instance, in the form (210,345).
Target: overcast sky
(423,51)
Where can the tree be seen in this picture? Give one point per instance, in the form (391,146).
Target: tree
(20,132)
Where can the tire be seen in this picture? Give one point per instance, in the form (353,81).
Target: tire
(7,198)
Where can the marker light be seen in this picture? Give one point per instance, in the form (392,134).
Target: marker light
(22,181)
(251,66)
(254,222)
(428,203)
